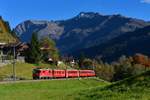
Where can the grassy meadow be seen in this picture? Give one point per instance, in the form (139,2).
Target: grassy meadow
(23,70)
(47,90)
(134,88)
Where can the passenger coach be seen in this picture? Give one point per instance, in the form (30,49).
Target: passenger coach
(49,73)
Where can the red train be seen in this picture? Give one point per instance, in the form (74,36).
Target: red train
(49,73)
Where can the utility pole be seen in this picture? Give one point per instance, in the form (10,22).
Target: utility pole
(14,61)
(14,64)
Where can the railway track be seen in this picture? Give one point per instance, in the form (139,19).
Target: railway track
(42,80)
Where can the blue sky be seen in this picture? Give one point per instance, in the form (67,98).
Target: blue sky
(16,11)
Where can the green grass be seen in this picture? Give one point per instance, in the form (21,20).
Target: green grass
(23,70)
(46,90)
(134,88)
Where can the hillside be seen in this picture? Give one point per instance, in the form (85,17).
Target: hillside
(23,70)
(5,35)
(82,31)
(126,44)
(46,90)
(134,88)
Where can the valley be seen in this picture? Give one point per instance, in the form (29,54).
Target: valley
(74,50)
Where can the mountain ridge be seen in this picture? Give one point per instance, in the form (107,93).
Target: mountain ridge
(82,31)
(126,44)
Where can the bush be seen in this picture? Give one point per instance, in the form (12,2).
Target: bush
(125,67)
(104,71)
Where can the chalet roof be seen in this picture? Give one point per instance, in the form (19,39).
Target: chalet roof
(6,38)
(22,46)
(3,44)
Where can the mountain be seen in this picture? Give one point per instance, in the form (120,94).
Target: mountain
(5,32)
(127,44)
(43,28)
(82,31)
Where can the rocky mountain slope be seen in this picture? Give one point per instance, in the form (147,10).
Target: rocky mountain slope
(82,31)
(126,44)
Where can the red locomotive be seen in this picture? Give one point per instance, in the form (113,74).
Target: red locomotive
(49,73)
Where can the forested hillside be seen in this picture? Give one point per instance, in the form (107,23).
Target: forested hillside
(128,44)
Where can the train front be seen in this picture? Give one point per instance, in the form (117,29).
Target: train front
(36,73)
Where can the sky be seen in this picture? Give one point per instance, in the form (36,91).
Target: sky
(17,11)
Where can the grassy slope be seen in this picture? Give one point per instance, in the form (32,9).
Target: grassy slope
(134,88)
(23,70)
(46,90)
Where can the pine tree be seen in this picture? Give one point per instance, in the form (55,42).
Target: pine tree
(34,54)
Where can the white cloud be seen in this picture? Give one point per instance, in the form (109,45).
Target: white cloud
(145,1)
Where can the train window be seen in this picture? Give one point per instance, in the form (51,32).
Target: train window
(83,72)
(71,72)
(36,71)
